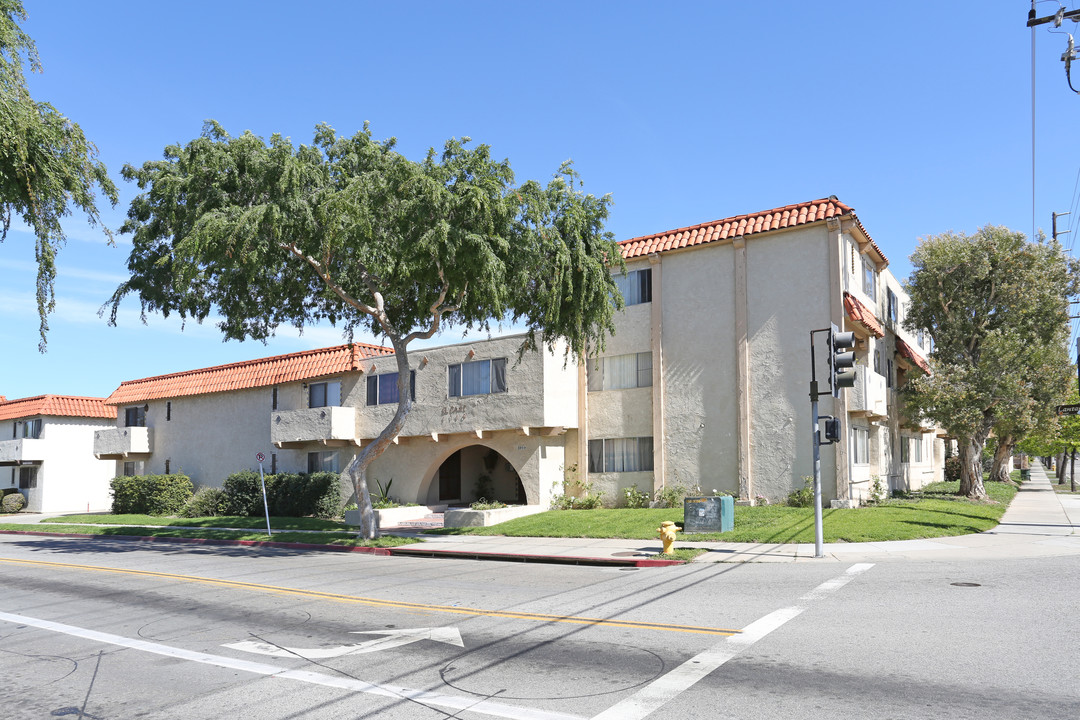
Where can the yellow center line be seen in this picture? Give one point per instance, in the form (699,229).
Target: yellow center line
(336,597)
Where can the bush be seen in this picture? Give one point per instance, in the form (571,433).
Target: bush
(635,498)
(150,494)
(952,468)
(243,492)
(287,494)
(804,497)
(671,496)
(206,502)
(13,502)
(483,504)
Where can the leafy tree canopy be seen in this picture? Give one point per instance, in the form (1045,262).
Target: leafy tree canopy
(47,166)
(996,306)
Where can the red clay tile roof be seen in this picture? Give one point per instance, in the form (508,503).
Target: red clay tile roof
(248,374)
(55,405)
(861,314)
(741,226)
(906,351)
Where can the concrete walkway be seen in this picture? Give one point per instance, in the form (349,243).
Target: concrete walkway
(1038,523)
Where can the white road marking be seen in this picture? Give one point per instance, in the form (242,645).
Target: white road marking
(425,697)
(391,639)
(651,697)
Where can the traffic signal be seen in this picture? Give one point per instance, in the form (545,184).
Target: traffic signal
(841,360)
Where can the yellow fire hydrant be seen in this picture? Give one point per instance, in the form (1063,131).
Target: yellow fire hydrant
(667,532)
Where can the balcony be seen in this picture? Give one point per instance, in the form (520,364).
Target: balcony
(123,442)
(24,451)
(330,426)
(869,395)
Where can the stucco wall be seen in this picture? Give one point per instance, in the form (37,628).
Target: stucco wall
(70,479)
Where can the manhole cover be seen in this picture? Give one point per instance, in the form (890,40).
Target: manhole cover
(965,584)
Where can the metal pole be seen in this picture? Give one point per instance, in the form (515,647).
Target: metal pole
(819,550)
(266,506)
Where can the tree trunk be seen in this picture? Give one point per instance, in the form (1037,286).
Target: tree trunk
(971,481)
(999,472)
(1061,468)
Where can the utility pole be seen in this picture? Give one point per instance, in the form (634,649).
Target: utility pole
(1054,217)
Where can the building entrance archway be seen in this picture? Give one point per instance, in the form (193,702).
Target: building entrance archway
(473,473)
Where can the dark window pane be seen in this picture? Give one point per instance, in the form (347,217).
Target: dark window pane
(498,375)
(596,456)
(372,390)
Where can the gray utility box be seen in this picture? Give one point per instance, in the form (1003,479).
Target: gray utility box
(708,514)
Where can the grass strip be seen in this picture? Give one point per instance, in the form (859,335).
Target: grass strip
(933,512)
(327,538)
(229,521)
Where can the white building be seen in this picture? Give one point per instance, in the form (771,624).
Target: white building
(49,454)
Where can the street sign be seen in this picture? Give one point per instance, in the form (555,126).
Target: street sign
(1073,409)
(259,457)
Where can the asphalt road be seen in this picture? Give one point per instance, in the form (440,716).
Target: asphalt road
(115,629)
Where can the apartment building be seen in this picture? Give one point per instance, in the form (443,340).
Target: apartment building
(47,452)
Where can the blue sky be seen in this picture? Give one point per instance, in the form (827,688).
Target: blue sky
(917,114)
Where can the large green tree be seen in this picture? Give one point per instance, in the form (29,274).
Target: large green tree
(47,166)
(996,306)
(349,231)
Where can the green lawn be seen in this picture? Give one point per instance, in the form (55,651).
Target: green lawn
(322,538)
(229,521)
(934,512)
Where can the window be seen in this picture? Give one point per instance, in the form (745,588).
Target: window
(911,449)
(27,477)
(621,455)
(617,372)
(869,284)
(877,362)
(860,446)
(635,286)
(135,417)
(273,399)
(893,305)
(382,389)
(326,461)
(29,429)
(273,463)
(168,465)
(324,394)
(131,468)
(168,417)
(888,374)
(479,377)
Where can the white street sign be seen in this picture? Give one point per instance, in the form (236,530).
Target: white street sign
(391,639)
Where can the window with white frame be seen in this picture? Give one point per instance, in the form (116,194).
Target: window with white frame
(323,461)
(633,454)
(618,372)
(479,377)
(860,446)
(324,394)
(635,286)
(869,285)
(132,468)
(911,449)
(27,429)
(383,389)
(893,305)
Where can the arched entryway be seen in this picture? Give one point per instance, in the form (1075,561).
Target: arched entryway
(476,472)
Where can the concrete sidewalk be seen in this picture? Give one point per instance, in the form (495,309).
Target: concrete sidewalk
(1038,523)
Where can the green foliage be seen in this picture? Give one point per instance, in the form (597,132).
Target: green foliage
(206,502)
(287,494)
(47,166)
(952,468)
(802,498)
(997,308)
(577,495)
(483,504)
(150,494)
(634,498)
(485,487)
(672,496)
(12,502)
(878,491)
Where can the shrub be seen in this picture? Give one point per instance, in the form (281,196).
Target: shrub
(672,496)
(953,468)
(579,496)
(804,497)
(483,504)
(243,492)
(13,502)
(150,494)
(287,494)
(206,502)
(635,498)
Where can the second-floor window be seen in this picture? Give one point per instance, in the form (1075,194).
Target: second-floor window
(27,429)
(324,394)
(135,416)
(869,279)
(635,286)
(618,372)
(383,389)
(894,306)
(479,377)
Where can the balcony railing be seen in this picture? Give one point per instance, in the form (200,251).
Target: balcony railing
(123,442)
(22,451)
(332,425)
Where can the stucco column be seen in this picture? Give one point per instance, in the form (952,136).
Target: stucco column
(583,424)
(837,316)
(742,363)
(657,345)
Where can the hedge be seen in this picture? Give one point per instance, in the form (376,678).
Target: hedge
(287,494)
(150,494)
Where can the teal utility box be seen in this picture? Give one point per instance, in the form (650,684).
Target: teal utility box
(708,514)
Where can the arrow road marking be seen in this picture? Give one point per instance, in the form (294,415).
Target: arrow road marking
(391,639)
